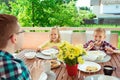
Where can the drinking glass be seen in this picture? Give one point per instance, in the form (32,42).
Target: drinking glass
(46,66)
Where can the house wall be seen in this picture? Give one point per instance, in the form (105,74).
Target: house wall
(102,14)
(107,13)
(106,10)
(110,9)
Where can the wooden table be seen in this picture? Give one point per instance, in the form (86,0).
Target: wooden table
(61,72)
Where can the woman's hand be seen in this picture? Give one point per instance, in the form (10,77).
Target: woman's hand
(36,70)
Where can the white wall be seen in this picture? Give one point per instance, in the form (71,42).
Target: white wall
(110,8)
(97,10)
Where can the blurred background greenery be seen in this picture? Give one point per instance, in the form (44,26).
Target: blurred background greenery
(46,12)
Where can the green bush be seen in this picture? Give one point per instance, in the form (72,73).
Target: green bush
(46,12)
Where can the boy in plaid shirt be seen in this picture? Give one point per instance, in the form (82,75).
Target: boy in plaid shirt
(11,37)
(98,43)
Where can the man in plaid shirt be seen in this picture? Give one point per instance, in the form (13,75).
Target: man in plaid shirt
(10,40)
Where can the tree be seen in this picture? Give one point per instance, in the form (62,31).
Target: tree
(45,12)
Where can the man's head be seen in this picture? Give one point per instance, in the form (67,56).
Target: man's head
(9,32)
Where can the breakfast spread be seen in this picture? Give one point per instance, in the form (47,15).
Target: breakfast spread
(91,68)
(54,64)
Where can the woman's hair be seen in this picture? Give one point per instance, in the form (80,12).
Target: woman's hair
(59,38)
(8,26)
(102,30)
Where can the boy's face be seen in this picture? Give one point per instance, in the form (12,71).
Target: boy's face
(99,36)
(54,35)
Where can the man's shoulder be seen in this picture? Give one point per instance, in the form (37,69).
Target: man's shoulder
(9,63)
(13,67)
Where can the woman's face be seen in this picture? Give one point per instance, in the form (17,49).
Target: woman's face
(99,36)
(54,35)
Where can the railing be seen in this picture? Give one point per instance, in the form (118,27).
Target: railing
(67,28)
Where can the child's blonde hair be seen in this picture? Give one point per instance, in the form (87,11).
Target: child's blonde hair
(102,30)
(59,38)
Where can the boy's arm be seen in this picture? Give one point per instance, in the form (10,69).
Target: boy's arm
(89,45)
(110,49)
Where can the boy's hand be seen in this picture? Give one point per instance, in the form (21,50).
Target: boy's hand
(97,43)
(90,46)
(109,50)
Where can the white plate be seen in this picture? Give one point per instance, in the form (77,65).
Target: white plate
(98,55)
(82,67)
(101,77)
(43,76)
(49,51)
(30,55)
(105,59)
(98,52)
(42,56)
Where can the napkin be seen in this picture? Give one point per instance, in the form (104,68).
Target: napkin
(104,77)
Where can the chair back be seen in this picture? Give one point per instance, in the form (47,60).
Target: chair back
(89,35)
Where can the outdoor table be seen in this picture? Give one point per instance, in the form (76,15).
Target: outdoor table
(61,72)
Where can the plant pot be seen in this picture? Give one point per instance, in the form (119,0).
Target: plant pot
(72,70)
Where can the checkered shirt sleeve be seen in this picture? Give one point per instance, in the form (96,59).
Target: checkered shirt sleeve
(12,68)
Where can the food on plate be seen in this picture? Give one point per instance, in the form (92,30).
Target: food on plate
(91,68)
(54,64)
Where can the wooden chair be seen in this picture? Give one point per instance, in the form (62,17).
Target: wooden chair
(66,35)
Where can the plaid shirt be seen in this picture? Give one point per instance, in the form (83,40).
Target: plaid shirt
(12,68)
(102,47)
